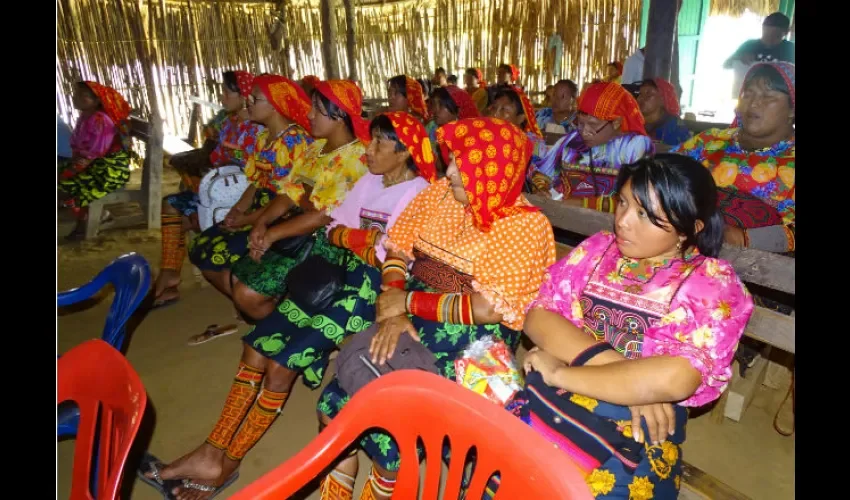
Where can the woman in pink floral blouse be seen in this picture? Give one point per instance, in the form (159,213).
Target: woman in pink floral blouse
(641,322)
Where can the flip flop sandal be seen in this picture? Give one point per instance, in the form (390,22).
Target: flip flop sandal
(164,486)
(213,332)
(215,490)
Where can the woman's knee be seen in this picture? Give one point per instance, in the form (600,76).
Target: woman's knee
(254,304)
(279,378)
(167,209)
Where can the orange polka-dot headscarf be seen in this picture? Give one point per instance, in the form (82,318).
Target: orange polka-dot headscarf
(287,97)
(415,97)
(348,96)
(413,135)
(245,82)
(609,101)
(491,155)
(114,105)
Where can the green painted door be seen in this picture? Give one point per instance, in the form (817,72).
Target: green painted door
(692,18)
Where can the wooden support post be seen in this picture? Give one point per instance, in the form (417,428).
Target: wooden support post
(195,125)
(350,44)
(661,56)
(152,173)
(329,38)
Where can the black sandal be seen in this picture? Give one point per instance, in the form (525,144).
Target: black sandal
(164,486)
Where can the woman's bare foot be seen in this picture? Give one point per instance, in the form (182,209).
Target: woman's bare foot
(203,464)
(167,279)
(228,467)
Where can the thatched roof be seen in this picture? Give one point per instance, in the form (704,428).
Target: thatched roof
(736,8)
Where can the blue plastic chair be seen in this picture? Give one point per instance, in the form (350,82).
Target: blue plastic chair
(130,276)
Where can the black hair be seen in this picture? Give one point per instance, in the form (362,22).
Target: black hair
(572,86)
(440,70)
(771,77)
(512,94)
(686,194)
(445,99)
(473,72)
(334,111)
(382,126)
(778,20)
(400,83)
(505,67)
(230,82)
(85,87)
(426,86)
(451,80)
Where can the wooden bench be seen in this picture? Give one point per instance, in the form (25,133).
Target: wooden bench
(149,196)
(773,271)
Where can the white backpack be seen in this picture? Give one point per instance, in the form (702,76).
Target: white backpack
(220,189)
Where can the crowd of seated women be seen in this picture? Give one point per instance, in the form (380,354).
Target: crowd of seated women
(422,214)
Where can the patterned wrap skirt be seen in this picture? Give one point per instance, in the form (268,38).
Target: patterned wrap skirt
(217,248)
(101,177)
(303,343)
(185,202)
(447,342)
(656,471)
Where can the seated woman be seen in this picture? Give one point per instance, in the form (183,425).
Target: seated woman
(287,342)
(476,87)
(448,104)
(582,167)
(754,161)
(613,73)
(512,105)
(406,94)
(101,151)
(462,242)
(281,106)
(562,109)
(638,324)
(180,210)
(659,105)
(318,183)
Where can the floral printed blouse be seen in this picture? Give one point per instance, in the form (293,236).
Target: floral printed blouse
(695,307)
(767,174)
(233,136)
(332,175)
(270,160)
(94,136)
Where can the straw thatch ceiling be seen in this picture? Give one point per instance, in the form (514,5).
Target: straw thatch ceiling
(736,8)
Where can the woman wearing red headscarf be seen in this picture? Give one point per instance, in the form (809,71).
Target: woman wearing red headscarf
(406,95)
(180,210)
(100,145)
(473,80)
(290,342)
(659,104)
(582,167)
(477,246)
(281,106)
(320,182)
(511,104)
(613,72)
(448,104)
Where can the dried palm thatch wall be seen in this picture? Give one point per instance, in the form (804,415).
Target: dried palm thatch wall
(736,8)
(192,42)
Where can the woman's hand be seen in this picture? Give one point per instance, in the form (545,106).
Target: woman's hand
(543,363)
(257,237)
(391,303)
(735,236)
(660,421)
(256,252)
(385,340)
(233,218)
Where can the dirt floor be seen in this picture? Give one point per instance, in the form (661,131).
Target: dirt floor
(187,386)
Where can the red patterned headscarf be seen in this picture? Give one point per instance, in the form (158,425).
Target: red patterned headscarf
(348,96)
(466,108)
(788,73)
(311,80)
(415,97)
(413,135)
(114,105)
(514,72)
(530,117)
(668,96)
(480,76)
(287,97)
(245,82)
(491,155)
(609,101)
(619,66)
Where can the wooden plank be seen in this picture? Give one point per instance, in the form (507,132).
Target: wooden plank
(753,266)
(698,485)
(742,390)
(779,367)
(772,328)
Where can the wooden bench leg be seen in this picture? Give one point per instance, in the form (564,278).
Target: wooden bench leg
(93,221)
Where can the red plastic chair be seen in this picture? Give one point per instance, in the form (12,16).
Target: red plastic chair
(411,404)
(96,376)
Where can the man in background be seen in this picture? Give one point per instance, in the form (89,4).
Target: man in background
(772,46)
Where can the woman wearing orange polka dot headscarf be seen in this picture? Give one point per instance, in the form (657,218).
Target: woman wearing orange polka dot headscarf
(464,260)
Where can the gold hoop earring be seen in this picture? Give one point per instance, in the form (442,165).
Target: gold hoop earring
(679,245)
